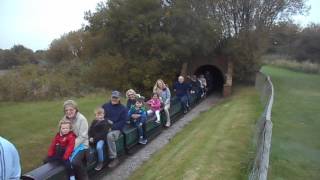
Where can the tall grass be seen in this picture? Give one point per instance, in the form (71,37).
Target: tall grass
(286,62)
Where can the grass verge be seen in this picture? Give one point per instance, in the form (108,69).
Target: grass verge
(32,125)
(295,150)
(216,145)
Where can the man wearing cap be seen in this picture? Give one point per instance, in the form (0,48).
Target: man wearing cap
(118,114)
(80,128)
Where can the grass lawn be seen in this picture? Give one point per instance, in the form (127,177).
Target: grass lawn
(216,145)
(295,150)
(31,126)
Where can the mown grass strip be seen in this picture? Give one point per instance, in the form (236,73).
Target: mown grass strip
(295,150)
(216,145)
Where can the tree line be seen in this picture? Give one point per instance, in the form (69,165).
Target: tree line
(131,43)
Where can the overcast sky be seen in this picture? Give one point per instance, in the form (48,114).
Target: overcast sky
(35,23)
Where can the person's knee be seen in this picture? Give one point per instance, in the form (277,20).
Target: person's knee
(76,164)
(100,145)
(110,137)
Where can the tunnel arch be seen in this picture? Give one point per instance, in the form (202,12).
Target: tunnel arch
(214,76)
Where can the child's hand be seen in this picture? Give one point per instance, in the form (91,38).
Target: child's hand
(110,129)
(135,116)
(91,139)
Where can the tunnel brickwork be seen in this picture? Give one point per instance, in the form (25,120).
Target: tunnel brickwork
(217,70)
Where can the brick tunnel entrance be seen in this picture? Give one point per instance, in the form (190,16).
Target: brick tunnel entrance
(214,77)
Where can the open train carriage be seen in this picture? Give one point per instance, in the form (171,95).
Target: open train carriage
(129,139)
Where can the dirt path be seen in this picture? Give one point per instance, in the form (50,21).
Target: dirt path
(132,162)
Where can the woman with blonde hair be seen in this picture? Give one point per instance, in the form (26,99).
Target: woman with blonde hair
(164,92)
(131,96)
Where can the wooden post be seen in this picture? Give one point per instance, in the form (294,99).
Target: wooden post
(228,80)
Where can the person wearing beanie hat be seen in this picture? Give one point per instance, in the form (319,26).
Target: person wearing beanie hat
(80,128)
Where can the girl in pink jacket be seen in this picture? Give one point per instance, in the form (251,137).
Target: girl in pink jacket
(155,106)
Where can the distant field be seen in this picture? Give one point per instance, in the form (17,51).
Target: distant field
(216,145)
(3,72)
(31,126)
(295,150)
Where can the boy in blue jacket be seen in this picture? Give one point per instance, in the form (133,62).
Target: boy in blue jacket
(138,117)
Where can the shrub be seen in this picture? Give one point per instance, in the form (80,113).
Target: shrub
(32,82)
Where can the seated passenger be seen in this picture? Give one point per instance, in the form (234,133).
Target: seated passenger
(131,96)
(98,130)
(118,114)
(155,106)
(138,117)
(79,125)
(62,146)
(182,89)
(10,167)
(203,82)
(165,95)
(195,86)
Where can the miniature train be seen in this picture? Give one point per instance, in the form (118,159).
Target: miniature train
(127,141)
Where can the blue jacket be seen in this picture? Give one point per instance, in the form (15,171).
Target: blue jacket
(181,89)
(165,95)
(117,113)
(140,111)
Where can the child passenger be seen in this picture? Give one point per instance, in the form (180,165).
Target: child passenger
(155,105)
(62,146)
(138,117)
(98,131)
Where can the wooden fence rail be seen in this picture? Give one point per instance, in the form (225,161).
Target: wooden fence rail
(264,129)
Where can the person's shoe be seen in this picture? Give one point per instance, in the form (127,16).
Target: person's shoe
(72,178)
(113,163)
(99,166)
(158,121)
(143,141)
(168,124)
(185,111)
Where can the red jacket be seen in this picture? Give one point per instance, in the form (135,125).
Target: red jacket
(65,141)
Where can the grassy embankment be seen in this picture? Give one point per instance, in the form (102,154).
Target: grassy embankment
(31,126)
(215,145)
(295,150)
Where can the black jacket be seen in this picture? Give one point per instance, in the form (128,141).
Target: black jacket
(98,130)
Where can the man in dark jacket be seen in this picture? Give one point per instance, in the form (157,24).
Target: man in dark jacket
(118,114)
(182,89)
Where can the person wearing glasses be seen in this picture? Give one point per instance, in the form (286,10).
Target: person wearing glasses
(80,128)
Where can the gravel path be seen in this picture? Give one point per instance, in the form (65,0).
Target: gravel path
(132,162)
